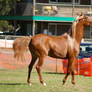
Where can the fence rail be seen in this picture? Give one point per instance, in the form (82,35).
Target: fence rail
(6,41)
(49,9)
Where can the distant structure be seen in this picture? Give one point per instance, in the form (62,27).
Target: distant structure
(34,16)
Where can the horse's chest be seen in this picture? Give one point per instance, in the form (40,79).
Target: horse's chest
(73,46)
(70,43)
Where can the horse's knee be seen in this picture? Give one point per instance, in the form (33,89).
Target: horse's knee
(37,68)
(72,72)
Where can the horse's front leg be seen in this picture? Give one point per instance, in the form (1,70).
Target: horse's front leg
(38,68)
(73,81)
(70,69)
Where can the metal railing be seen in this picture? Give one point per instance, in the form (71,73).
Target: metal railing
(50,9)
(63,10)
(6,41)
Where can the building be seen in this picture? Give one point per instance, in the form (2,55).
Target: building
(52,17)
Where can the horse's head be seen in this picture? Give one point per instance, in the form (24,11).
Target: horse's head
(85,20)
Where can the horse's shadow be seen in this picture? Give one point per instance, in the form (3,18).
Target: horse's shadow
(54,73)
(13,83)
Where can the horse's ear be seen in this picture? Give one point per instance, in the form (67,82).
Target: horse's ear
(82,14)
(77,14)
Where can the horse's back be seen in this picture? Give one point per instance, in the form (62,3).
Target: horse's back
(43,39)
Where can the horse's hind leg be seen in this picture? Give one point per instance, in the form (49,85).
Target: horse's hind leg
(38,68)
(34,58)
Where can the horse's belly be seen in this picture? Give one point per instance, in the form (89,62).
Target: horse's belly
(60,55)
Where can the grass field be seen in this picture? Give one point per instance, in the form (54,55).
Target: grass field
(15,81)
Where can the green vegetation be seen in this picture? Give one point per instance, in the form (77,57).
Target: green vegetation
(15,81)
(5,7)
(3,25)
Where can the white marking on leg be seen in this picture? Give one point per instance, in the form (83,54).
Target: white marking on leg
(44,84)
(29,84)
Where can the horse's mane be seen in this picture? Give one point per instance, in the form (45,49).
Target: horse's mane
(72,29)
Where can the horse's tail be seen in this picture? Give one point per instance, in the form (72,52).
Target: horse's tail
(20,47)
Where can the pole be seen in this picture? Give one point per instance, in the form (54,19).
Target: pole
(56,65)
(14,15)
(33,33)
(90,16)
(73,5)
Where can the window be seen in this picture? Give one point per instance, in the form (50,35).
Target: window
(63,28)
(82,2)
(61,0)
(53,0)
(58,28)
(26,1)
(64,0)
(85,2)
(77,1)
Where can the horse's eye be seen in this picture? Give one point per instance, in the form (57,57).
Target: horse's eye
(86,18)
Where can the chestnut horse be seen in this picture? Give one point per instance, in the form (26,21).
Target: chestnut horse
(64,47)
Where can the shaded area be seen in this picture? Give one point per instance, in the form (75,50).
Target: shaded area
(54,73)
(13,83)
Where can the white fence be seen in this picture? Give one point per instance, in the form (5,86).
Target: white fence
(6,41)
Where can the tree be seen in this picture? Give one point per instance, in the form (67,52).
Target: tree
(5,7)
(3,25)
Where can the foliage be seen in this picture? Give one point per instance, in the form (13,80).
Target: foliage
(5,7)
(3,25)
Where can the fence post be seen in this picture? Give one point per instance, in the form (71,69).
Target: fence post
(5,40)
(56,64)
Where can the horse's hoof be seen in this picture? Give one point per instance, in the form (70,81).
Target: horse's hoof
(73,83)
(63,82)
(44,84)
(29,84)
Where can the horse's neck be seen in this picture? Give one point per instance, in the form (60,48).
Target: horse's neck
(77,31)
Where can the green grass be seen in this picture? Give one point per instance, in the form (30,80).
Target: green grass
(15,81)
